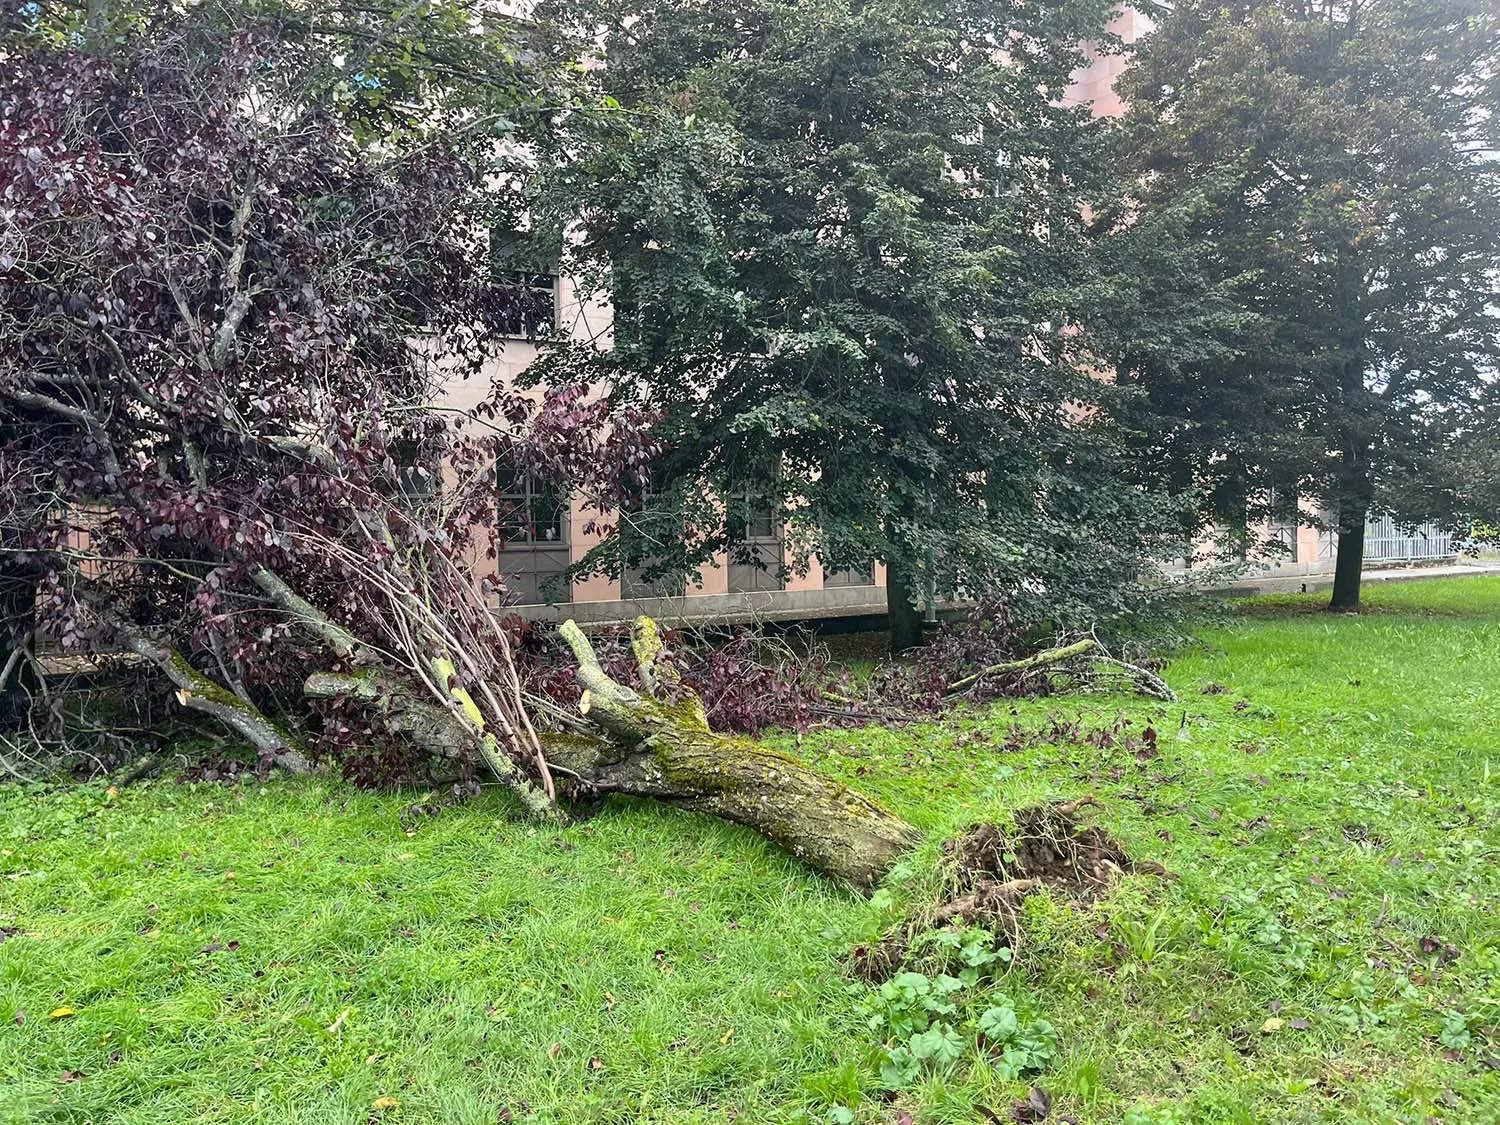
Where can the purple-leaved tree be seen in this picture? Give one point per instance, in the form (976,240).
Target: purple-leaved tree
(225,314)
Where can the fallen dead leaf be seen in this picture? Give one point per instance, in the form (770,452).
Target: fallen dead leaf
(386,1102)
(1035,1106)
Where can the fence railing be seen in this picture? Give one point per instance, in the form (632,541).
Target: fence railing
(1386,541)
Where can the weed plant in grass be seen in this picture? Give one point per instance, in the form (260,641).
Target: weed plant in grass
(1326,795)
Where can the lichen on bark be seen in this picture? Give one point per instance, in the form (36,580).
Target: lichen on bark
(666,750)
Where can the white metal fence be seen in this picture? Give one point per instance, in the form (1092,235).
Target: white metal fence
(1386,541)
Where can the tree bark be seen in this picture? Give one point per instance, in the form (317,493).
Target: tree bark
(659,745)
(664,749)
(1354,508)
(832,827)
(1349,562)
(442,731)
(18,585)
(901,608)
(1036,660)
(198,692)
(1359,406)
(18,683)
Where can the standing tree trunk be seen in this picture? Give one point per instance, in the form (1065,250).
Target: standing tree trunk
(1350,561)
(1355,494)
(1360,406)
(901,607)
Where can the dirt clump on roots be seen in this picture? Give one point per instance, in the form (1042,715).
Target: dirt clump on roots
(991,870)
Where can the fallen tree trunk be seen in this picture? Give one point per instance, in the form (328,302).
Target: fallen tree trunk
(198,692)
(660,747)
(441,731)
(657,745)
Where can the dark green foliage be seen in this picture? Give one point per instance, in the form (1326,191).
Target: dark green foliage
(844,244)
(1318,183)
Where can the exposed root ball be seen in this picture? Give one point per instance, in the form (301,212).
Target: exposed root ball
(1048,846)
(992,871)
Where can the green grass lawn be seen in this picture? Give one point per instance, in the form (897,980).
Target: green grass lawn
(297,952)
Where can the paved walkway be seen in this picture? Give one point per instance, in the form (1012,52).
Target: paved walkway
(1309,583)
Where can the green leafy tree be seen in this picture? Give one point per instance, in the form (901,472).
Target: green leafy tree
(846,247)
(1330,170)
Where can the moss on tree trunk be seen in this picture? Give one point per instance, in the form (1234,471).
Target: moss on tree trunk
(657,745)
(822,821)
(665,750)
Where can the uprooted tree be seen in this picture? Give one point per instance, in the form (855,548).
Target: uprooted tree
(225,321)
(218,455)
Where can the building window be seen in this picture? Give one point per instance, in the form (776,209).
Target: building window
(418,475)
(863,575)
(531,511)
(533,528)
(525,272)
(756,553)
(1285,517)
(643,526)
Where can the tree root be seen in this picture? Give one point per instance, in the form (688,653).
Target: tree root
(990,871)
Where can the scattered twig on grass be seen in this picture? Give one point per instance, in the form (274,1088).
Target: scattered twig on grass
(1036,660)
(1144,680)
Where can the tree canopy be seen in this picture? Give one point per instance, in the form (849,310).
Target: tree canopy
(846,249)
(1331,172)
(225,315)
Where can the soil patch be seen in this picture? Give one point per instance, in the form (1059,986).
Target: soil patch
(993,869)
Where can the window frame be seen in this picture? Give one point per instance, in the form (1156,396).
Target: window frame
(532,493)
(849,577)
(521,263)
